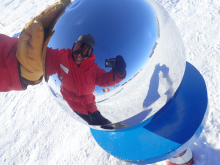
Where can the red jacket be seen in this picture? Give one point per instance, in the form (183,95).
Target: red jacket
(78,83)
(9,66)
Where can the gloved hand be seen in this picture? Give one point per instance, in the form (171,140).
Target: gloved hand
(33,40)
(120,64)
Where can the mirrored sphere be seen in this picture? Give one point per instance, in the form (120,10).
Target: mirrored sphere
(144,34)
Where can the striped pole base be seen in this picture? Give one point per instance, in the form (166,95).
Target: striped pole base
(185,158)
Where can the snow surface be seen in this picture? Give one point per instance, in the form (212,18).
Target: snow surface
(34,130)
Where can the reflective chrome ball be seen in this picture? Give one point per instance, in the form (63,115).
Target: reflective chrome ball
(144,34)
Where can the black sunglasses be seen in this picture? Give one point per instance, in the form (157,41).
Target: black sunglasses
(81,46)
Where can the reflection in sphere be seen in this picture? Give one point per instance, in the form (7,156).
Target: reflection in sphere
(145,36)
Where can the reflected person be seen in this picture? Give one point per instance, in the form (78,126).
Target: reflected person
(79,75)
(25,61)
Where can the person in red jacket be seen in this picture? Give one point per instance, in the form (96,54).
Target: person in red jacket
(79,75)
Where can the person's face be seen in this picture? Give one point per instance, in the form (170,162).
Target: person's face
(77,56)
(79,59)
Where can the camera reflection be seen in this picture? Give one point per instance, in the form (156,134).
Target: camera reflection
(79,74)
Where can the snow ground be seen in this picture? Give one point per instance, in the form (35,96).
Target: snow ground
(34,130)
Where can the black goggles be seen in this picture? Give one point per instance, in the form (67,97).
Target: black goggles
(82,48)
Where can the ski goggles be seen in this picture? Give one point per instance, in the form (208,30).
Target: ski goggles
(82,48)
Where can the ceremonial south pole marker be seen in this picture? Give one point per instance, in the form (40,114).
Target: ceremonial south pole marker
(166,134)
(161,107)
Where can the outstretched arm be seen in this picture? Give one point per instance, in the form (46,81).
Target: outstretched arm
(105,79)
(9,66)
(10,72)
(116,75)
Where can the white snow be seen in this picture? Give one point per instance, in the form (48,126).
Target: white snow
(34,130)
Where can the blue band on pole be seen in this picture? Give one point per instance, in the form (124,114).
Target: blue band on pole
(176,126)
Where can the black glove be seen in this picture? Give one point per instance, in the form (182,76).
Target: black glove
(120,64)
